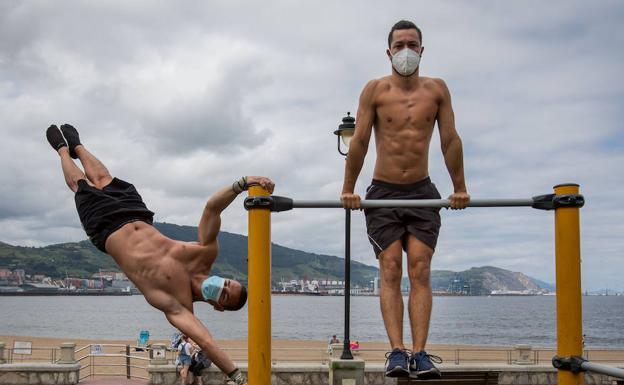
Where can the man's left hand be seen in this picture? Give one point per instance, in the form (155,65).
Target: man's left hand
(459,200)
(263,181)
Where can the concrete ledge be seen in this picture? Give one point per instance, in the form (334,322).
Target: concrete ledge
(374,374)
(39,374)
(35,367)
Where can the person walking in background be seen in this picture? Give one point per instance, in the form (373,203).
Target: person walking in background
(185,350)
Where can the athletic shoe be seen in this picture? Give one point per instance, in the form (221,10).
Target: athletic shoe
(397,363)
(422,368)
(73,139)
(55,138)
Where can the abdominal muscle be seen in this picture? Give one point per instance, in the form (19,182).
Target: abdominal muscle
(402,157)
(142,252)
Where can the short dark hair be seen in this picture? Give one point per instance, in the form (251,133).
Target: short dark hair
(242,299)
(403,24)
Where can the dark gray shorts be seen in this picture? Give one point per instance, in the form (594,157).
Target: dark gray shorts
(102,212)
(386,225)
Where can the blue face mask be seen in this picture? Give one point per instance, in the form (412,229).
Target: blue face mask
(212,288)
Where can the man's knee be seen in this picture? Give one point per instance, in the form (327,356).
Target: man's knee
(419,272)
(102,180)
(72,183)
(390,271)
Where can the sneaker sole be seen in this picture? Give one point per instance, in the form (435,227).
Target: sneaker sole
(431,374)
(397,371)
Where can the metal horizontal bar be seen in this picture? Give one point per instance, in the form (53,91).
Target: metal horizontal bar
(603,369)
(436,203)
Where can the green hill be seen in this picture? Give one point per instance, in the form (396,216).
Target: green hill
(82,259)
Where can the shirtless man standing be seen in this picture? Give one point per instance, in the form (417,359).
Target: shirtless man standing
(403,108)
(171,274)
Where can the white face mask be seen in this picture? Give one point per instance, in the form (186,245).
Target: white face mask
(406,61)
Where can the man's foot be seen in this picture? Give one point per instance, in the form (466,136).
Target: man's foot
(421,367)
(397,362)
(55,138)
(73,139)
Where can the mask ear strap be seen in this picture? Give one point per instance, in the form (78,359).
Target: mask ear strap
(219,293)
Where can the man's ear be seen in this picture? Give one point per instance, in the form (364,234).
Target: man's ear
(389,54)
(216,305)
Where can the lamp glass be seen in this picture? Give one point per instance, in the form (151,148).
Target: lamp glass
(346,136)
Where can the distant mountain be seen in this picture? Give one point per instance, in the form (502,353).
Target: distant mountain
(483,280)
(82,259)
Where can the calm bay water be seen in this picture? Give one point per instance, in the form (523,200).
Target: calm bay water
(455,320)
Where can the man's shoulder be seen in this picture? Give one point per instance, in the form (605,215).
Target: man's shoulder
(376,84)
(374,87)
(433,82)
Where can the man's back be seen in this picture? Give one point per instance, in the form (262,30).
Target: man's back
(404,119)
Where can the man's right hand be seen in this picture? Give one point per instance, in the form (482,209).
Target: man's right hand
(350,201)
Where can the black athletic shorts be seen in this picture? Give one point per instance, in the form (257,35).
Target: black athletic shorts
(386,225)
(102,212)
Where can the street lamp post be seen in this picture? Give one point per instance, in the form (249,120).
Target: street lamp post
(345,132)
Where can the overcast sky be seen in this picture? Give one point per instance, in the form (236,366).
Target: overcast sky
(183,97)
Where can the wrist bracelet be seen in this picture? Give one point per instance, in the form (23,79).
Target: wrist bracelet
(240,185)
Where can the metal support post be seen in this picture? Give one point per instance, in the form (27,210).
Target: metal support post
(346,350)
(259,281)
(568,281)
(128,361)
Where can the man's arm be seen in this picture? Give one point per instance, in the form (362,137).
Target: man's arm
(359,145)
(452,148)
(187,323)
(210,222)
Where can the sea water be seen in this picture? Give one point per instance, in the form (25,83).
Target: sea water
(454,320)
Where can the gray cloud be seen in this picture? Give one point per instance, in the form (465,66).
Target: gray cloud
(181,98)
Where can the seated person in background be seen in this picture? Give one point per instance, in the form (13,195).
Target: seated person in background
(199,362)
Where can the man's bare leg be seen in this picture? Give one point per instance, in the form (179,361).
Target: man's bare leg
(419,303)
(391,301)
(71,172)
(419,307)
(95,170)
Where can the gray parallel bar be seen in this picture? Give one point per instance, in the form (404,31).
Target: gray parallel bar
(603,369)
(377,203)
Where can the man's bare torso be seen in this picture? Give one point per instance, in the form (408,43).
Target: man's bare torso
(161,268)
(403,125)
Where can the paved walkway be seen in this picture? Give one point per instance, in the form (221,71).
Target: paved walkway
(112,381)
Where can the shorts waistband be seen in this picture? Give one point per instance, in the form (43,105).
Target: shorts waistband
(402,186)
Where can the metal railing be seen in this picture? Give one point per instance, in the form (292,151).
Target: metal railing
(114,360)
(37,354)
(456,356)
(131,361)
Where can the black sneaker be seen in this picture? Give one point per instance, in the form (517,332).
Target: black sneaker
(55,138)
(73,139)
(397,363)
(421,367)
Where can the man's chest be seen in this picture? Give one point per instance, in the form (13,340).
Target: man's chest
(413,108)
